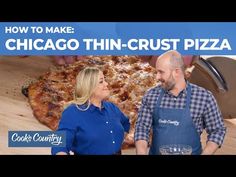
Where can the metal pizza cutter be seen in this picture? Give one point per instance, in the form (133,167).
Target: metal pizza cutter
(218,74)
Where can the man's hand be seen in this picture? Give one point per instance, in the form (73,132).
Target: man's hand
(141,147)
(210,148)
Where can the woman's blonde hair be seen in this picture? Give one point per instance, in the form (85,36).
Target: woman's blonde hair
(86,82)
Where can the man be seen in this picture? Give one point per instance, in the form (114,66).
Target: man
(177,111)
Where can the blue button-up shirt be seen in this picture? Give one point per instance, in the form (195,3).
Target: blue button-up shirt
(204,110)
(94,131)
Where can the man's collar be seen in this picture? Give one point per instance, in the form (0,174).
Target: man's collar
(182,92)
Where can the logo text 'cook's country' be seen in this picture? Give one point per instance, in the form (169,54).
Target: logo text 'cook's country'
(36,139)
(164,121)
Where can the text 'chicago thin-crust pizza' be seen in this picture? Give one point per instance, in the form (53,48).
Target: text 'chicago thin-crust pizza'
(128,79)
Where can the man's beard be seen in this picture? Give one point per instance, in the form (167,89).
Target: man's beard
(168,84)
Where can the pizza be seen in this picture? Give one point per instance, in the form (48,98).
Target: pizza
(128,78)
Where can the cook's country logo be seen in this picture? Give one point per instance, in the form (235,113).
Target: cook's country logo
(36,139)
(164,121)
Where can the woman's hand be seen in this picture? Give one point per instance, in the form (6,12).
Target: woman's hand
(61,153)
(128,141)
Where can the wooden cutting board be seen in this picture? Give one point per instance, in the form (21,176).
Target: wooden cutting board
(15,112)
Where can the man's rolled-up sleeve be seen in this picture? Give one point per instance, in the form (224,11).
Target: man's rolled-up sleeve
(214,123)
(144,121)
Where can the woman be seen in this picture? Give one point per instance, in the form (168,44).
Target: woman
(93,125)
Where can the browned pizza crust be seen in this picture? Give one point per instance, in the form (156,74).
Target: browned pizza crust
(128,78)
